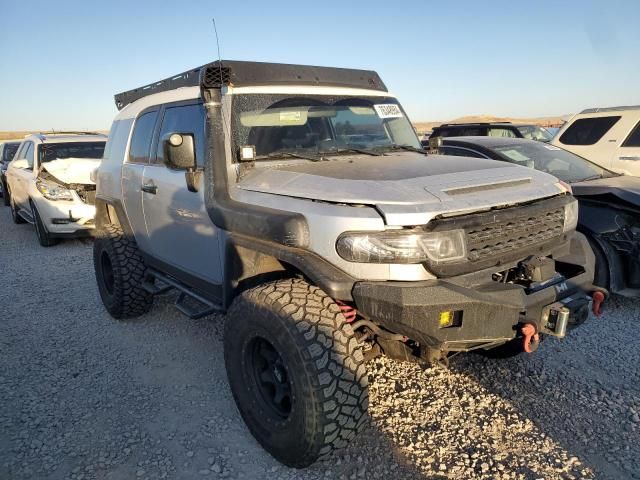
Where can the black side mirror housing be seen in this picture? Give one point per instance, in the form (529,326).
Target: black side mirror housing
(179,151)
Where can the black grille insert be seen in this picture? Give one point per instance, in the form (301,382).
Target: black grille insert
(500,237)
(504,235)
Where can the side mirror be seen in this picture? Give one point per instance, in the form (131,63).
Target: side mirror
(22,163)
(179,151)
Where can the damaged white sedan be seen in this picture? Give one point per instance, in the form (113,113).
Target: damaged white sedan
(49,184)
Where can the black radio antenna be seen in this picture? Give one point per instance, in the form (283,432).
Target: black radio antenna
(215,30)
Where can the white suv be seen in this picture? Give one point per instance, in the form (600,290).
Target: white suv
(609,137)
(49,184)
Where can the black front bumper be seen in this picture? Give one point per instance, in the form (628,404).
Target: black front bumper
(490,312)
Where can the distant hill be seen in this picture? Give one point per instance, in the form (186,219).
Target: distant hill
(542,121)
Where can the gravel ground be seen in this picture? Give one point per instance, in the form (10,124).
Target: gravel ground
(87,397)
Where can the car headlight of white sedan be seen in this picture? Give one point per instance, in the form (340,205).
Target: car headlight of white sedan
(51,191)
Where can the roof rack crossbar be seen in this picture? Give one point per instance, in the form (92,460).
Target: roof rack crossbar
(239,73)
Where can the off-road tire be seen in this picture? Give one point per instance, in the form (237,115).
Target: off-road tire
(15,216)
(323,362)
(120,271)
(44,238)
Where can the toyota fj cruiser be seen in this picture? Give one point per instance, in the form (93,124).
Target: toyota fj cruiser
(297,200)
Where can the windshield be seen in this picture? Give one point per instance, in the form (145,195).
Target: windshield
(318,126)
(535,132)
(55,151)
(564,165)
(9,151)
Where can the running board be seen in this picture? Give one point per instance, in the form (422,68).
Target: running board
(190,303)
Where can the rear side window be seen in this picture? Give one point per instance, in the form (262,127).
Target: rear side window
(587,131)
(141,138)
(184,119)
(633,140)
(9,151)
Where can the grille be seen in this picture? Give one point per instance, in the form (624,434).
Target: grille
(502,237)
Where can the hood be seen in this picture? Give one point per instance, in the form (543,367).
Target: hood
(624,187)
(406,188)
(72,170)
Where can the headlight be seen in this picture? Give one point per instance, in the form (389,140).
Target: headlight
(402,246)
(51,191)
(570,216)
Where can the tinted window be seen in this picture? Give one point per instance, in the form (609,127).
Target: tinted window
(471,132)
(460,132)
(587,131)
(633,140)
(460,152)
(56,151)
(9,151)
(184,119)
(141,138)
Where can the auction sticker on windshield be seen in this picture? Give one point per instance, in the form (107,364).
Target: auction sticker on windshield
(388,110)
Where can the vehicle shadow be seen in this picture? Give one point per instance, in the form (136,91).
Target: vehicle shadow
(201,373)
(579,392)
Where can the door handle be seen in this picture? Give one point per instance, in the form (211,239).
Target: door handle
(149,188)
(628,158)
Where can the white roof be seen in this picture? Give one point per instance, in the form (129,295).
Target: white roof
(188,93)
(65,137)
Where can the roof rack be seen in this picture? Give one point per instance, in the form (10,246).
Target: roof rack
(69,132)
(473,123)
(611,109)
(239,73)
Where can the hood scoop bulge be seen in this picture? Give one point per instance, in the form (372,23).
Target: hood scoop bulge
(486,186)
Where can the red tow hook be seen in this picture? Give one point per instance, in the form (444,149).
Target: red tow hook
(529,332)
(598,298)
(348,311)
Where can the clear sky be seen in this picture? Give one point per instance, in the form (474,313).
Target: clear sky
(62,61)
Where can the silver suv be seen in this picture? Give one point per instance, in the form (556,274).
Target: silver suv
(298,201)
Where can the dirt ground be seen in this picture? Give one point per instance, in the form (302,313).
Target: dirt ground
(88,397)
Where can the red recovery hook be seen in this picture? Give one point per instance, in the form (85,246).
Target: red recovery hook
(348,311)
(598,298)
(529,332)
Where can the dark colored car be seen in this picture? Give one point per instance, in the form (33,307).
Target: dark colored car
(7,151)
(493,129)
(609,202)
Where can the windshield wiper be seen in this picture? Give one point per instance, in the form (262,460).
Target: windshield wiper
(409,148)
(303,156)
(592,177)
(353,150)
